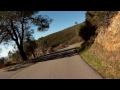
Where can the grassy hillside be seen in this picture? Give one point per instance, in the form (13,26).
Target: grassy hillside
(101,48)
(67,36)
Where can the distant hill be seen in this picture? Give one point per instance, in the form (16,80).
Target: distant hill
(60,39)
(69,36)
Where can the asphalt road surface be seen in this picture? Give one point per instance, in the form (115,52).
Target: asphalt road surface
(59,65)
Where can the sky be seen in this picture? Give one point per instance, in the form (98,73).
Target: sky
(61,20)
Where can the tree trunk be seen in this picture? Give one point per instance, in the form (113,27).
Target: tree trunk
(23,55)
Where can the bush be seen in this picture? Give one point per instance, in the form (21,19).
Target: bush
(100,18)
(1,63)
(8,63)
(16,57)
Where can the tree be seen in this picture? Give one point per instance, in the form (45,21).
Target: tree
(15,25)
(76,23)
(15,57)
(30,45)
(1,62)
(9,54)
(0,50)
(100,18)
(43,44)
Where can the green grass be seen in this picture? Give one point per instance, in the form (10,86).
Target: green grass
(94,62)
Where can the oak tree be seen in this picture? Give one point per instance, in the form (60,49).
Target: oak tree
(14,26)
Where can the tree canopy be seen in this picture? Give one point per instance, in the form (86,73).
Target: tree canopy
(100,18)
(16,26)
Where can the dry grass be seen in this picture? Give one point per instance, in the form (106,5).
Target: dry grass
(104,53)
(93,62)
(1,67)
(69,36)
(106,63)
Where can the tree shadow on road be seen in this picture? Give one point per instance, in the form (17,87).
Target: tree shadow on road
(56,55)
(51,56)
(17,66)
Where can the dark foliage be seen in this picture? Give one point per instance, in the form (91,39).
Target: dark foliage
(87,31)
(100,18)
(94,20)
(30,47)
(1,62)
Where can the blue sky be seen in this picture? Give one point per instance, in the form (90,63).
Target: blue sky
(61,20)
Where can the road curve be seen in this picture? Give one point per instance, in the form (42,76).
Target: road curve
(66,64)
(64,68)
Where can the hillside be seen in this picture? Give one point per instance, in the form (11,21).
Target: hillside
(67,36)
(104,52)
(59,39)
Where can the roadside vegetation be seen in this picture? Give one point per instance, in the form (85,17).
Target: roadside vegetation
(109,69)
(105,62)
(94,62)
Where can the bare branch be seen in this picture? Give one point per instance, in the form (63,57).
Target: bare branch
(21,40)
(12,26)
(18,33)
(10,34)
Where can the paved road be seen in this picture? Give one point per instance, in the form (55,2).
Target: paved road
(66,65)
(6,75)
